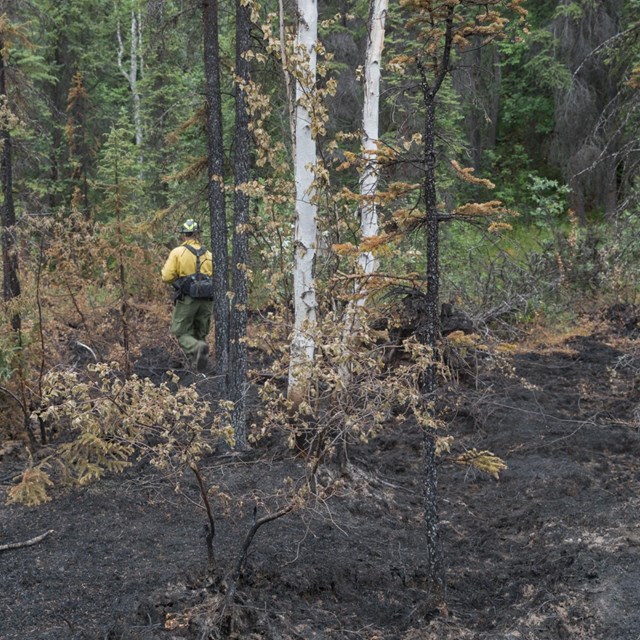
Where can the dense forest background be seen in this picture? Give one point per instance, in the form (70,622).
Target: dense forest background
(105,108)
(119,120)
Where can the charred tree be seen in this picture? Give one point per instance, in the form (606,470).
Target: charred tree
(215,174)
(429,330)
(441,24)
(238,383)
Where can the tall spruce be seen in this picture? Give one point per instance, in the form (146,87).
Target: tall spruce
(216,196)
(437,28)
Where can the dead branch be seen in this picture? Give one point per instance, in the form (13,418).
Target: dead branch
(26,543)
(212,527)
(242,556)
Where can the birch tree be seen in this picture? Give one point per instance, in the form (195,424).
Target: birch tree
(367,263)
(370,124)
(134,71)
(304,290)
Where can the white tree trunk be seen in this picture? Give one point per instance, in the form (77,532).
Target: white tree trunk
(304,292)
(133,74)
(367,262)
(370,115)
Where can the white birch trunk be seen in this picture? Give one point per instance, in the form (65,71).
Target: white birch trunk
(132,74)
(370,116)
(367,262)
(304,292)
(136,73)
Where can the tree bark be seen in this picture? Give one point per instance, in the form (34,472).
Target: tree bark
(370,122)
(217,210)
(428,335)
(239,358)
(304,290)
(429,331)
(10,280)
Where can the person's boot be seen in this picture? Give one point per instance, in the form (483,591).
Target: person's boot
(202,351)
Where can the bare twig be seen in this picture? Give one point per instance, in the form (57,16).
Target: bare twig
(242,556)
(26,543)
(212,527)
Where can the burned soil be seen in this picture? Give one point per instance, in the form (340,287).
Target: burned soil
(549,551)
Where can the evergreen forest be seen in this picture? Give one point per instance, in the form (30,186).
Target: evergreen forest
(410,206)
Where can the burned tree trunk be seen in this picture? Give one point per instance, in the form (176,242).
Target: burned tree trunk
(428,333)
(238,382)
(429,330)
(217,210)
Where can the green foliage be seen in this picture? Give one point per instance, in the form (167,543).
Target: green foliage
(33,65)
(531,74)
(543,273)
(119,171)
(549,200)
(8,353)
(573,10)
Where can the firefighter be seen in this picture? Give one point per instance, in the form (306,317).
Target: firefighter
(188,263)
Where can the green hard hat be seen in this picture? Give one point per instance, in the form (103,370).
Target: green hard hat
(190,226)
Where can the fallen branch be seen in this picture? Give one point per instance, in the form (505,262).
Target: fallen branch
(26,543)
(89,349)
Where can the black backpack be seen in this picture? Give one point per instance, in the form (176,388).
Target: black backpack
(197,285)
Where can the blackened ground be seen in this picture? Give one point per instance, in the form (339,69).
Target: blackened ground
(550,551)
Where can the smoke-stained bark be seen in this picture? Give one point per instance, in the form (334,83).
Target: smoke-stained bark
(238,382)
(79,151)
(477,79)
(428,334)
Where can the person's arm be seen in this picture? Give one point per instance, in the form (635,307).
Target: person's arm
(170,270)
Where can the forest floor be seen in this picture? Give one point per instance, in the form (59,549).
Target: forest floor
(550,551)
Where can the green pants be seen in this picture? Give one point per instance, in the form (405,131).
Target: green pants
(190,323)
